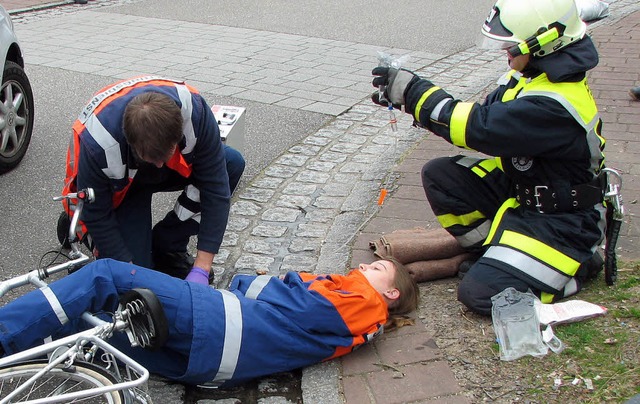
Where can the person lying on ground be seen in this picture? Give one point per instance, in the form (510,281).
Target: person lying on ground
(261,325)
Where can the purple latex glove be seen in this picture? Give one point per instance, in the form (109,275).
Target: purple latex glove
(198,275)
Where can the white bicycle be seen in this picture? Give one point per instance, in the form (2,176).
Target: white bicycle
(84,367)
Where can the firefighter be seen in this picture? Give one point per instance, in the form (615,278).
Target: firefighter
(261,325)
(146,135)
(535,211)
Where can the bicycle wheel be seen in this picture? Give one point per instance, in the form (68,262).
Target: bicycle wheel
(82,376)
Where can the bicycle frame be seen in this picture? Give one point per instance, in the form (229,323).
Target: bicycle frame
(66,350)
(79,340)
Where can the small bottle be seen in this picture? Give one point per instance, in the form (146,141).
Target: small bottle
(392,119)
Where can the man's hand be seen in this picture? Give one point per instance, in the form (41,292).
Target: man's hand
(396,82)
(198,275)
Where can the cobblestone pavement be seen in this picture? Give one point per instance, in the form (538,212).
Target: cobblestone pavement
(304,210)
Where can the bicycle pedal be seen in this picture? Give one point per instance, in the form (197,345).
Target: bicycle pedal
(147,324)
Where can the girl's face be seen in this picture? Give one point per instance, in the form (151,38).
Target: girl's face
(380,275)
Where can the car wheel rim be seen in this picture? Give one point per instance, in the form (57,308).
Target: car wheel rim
(13,118)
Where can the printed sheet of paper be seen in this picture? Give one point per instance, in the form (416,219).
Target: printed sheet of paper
(569,311)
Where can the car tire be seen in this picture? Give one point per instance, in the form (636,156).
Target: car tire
(16,116)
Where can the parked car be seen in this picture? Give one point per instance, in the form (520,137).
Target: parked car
(16,98)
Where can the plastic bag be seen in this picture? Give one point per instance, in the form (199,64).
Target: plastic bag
(592,9)
(516,324)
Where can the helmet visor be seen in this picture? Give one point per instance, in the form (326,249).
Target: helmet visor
(484,42)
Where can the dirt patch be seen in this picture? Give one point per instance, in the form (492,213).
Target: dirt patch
(468,344)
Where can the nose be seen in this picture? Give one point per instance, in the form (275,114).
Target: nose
(362,267)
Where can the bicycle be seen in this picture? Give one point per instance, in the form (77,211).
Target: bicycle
(84,366)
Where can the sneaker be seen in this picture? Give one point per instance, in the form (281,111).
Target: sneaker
(635,93)
(176,264)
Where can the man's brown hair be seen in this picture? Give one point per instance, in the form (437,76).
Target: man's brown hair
(152,125)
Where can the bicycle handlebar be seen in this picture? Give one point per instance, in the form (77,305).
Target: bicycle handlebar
(78,258)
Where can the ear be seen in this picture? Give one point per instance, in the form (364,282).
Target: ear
(392,294)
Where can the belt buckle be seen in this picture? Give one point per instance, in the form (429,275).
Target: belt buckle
(537,195)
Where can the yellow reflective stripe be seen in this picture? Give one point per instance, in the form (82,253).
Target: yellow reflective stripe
(576,97)
(511,93)
(484,167)
(422,99)
(547,37)
(489,164)
(546,297)
(499,163)
(524,48)
(541,251)
(449,219)
(508,204)
(458,124)
(479,172)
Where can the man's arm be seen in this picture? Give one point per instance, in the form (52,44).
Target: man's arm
(211,178)
(99,216)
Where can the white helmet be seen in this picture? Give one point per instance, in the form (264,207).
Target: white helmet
(539,27)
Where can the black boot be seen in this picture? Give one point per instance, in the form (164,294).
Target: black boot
(591,268)
(176,264)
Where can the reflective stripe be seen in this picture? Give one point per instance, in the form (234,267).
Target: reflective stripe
(468,161)
(579,102)
(185,214)
(450,219)
(479,171)
(528,265)
(571,288)
(232,337)
(98,98)
(499,163)
(506,78)
(423,98)
(436,111)
(192,193)
(257,285)
(546,298)
(571,109)
(187,124)
(489,164)
(475,236)
(510,203)
(115,168)
(541,251)
(458,123)
(55,305)
(474,164)
(511,93)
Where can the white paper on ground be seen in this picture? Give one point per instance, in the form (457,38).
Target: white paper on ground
(569,312)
